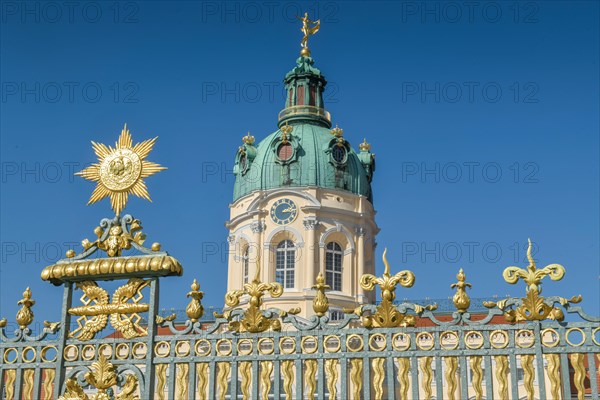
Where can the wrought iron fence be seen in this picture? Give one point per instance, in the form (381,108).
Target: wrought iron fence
(518,348)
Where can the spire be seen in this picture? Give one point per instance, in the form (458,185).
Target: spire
(305,84)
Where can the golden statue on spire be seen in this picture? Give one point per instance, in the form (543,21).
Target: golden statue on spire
(307,30)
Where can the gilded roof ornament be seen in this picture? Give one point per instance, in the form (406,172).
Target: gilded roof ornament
(286,131)
(309,28)
(364,146)
(337,131)
(121,170)
(248,139)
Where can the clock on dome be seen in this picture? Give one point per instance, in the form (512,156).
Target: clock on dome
(284,211)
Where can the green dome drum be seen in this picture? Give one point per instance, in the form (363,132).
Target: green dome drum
(304,152)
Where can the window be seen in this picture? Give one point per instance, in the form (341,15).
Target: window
(333,266)
(300,95)
(246,264)
(285,263)
(336,315)
(285,151)
(338,153)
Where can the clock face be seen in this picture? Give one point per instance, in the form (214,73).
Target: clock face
(284,211)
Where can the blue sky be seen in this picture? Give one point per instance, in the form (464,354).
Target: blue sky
(484,121)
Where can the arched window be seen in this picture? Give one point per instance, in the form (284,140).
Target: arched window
(246,264)
(333,265)
(285,263)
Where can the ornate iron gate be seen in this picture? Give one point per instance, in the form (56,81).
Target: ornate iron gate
(521,348)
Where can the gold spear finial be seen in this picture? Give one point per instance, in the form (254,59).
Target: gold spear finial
(309,28)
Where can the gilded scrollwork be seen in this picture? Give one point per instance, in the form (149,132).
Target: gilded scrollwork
(253,319)
(73,391)
(102,376)
(95,313)
(386,314)
(533,307)
(117,239)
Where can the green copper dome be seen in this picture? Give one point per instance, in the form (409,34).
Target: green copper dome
(304,151)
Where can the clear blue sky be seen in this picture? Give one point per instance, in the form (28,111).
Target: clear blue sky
(484,121)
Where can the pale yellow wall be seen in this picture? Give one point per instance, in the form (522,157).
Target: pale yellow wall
(345,218)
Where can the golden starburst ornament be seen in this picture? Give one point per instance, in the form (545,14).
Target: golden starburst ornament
(120,171)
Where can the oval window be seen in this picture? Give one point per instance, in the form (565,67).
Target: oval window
(339,154)
(285,151)
(243,162)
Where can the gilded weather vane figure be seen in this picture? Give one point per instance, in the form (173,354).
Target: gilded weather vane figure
(308,28)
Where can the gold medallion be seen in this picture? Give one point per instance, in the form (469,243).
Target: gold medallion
(120,170)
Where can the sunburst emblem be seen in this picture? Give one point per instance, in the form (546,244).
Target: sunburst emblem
(121,171)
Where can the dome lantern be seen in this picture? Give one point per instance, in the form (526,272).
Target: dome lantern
(304,85)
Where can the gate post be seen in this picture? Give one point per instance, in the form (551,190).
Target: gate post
(152,312)
(65,324)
